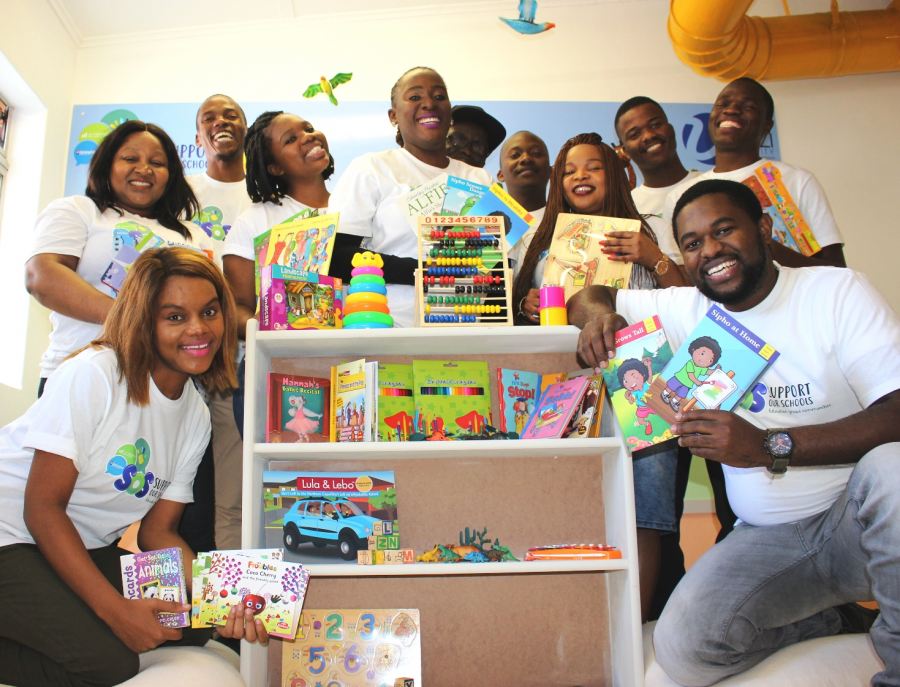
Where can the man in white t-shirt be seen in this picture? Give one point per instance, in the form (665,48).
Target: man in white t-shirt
(810,456)
(222,196)
(740,120)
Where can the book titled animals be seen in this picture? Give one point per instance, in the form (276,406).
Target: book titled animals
(642,351)
(157,575)
(713,369)
(575,258)
(297,409)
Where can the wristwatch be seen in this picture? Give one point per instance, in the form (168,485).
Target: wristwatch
(662,265)
(780,446)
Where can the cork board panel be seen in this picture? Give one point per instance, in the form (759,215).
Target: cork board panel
(522,501)
(524,630)
(535,362)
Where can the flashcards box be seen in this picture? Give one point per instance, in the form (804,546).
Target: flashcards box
(575,257)
(717,363)
(462,195)
(273,589)
(156,575)
(396,406)
(297,408)
(555,408)
(497,201)
(293,299)
(452,399)
(642,351)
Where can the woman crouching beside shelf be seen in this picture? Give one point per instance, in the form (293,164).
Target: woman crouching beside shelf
(65,499)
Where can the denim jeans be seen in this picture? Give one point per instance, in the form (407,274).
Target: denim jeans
(764,588)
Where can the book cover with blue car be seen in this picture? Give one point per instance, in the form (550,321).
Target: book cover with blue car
(713,369)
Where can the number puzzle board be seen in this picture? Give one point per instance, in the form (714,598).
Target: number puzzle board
(353,648)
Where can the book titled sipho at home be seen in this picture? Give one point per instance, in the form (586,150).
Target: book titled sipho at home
(713,369)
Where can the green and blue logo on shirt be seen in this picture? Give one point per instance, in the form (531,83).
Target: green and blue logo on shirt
(129,467)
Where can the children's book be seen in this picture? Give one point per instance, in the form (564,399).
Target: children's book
(575,259)
(642,351)
(291,299)
(156,575)
(462,195)
(452,399)
(517,392)
(303,244)
(714,367)
(396,406)
(427,198)
(261,243)
(274,590)
(357,647)
(355,386)
(203,598)
(497,201)
(326,516)
(789,227)
(585,422)
(554,411)
(298,409)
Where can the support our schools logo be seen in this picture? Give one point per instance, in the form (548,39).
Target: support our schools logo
(92,134)
(129,467)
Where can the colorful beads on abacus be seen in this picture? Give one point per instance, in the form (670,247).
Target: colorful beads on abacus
(448,319)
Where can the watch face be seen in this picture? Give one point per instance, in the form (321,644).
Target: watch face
(780,444)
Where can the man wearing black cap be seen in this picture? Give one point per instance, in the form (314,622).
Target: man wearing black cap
(473,135)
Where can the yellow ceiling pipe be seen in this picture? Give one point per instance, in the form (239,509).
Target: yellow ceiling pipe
(716,38)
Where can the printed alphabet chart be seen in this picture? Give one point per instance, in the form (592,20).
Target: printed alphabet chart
(354,648)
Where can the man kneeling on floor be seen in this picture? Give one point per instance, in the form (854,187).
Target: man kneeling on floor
(812,467)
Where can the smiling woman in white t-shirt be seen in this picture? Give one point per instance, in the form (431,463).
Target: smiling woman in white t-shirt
(136,198)
(370,194)
(116,439)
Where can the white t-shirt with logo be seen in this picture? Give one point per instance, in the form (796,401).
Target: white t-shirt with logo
(651,202)
(221,202)
(370,196)
(259,218)
(839,345)
(518,251)
(106,244)
(127,456)
(806,191)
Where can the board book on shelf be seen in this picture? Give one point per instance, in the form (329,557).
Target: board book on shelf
(292,299)
(497,202)
(585,422)
(714,367)
(554,411)
(297,408)
(462,276)
(462,195)
(354,648)
(354,392)
(575,258)
(789,227)
(642,351)
(396,406)
(156,574)
(322,516)
(517,393)
(452,399)
(273,589)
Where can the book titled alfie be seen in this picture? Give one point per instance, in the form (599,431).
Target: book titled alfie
(156,575)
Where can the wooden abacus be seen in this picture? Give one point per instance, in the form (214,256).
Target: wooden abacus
(463,278)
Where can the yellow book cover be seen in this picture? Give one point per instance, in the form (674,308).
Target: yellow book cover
(575,258)
(303,244)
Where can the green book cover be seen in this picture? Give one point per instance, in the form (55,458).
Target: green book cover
(396,406)
(452,399)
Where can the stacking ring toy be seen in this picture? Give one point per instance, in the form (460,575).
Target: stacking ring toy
(356,271)
(364,297)
(368,319)
(367,288)
(366,307)
(367,279)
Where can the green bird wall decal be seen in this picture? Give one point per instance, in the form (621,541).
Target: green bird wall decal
(327,86)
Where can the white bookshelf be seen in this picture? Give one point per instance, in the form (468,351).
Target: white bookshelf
(601,597)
